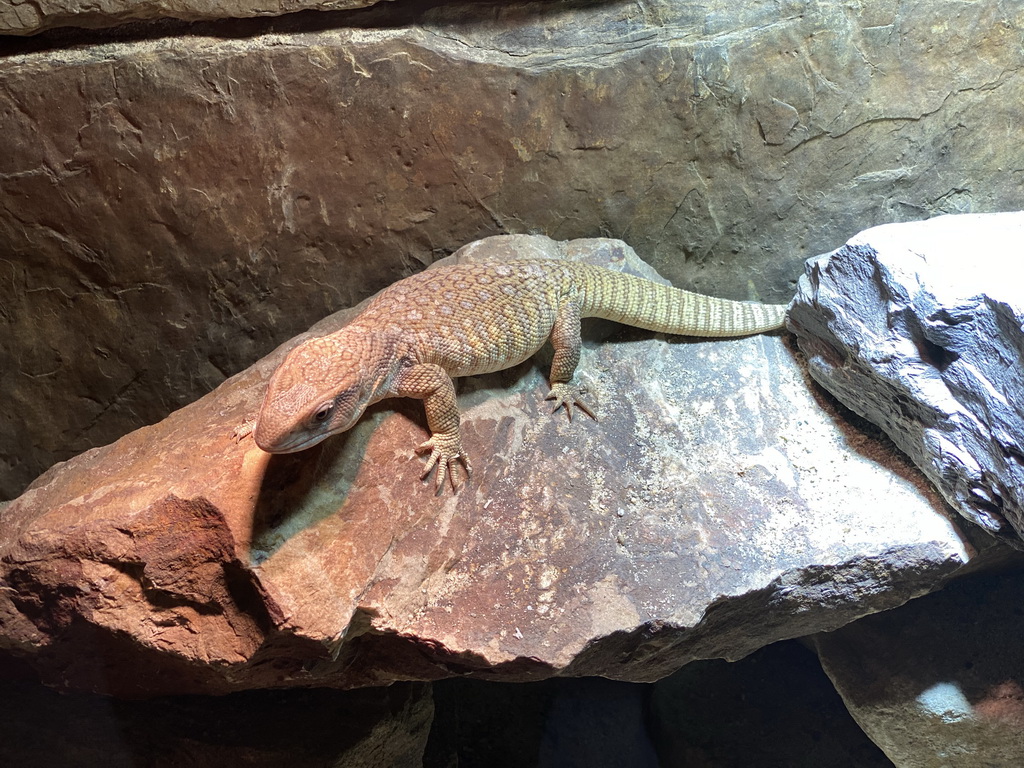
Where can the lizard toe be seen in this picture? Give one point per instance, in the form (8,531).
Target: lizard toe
(445,454)
(569,395)
(242,431)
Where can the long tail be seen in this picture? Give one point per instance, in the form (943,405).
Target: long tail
(663,308)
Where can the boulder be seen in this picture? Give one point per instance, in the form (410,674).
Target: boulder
(919,327)
(937,683)
(720,504)
(176,200)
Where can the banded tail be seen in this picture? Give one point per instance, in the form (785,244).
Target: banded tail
(665,309)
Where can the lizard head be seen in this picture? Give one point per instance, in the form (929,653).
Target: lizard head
(321,388)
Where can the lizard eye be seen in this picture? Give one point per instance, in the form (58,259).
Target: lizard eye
(322,413)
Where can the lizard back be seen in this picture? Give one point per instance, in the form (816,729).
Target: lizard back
(473,318)
(485,316)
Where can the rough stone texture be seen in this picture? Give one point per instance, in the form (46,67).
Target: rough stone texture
(919,328)
(938,683)
(28,17)
(370,728)
(216,188)
(718,506)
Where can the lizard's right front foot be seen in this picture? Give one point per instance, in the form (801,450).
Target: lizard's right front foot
(446,452)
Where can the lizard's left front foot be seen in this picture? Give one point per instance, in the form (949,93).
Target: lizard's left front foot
(569,395)
(446,452)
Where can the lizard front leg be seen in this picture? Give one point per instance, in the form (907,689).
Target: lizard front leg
(565,338)
(432,384)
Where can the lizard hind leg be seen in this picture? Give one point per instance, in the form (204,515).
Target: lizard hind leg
(565,338)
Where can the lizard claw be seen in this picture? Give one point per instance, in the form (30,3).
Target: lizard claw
(445,452)
(242,431)
(569,395)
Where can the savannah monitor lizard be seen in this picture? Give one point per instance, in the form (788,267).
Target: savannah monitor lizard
(467,319)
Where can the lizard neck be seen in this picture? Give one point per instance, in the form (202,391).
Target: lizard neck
(384,351)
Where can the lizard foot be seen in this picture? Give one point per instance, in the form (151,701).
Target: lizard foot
(445,452)
(242,431)
(569,395)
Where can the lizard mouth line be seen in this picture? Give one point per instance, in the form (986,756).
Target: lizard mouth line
(294,445)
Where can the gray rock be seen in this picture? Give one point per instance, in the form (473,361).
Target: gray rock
(717,506)
(938,683)
(175,201)
(919,328)
(28,17)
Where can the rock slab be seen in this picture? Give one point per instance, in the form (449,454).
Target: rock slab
(919,327)
(716,507)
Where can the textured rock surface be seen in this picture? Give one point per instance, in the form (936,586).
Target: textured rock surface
(919,327)
(217,188)
(939,682)
(27,17)
(716,507)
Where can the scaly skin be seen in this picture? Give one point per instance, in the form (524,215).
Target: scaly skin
(468,319)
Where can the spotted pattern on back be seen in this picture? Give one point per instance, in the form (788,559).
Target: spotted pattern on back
(475,318)
(484,316)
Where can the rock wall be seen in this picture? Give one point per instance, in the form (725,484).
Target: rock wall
(18,17)
(177,199)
